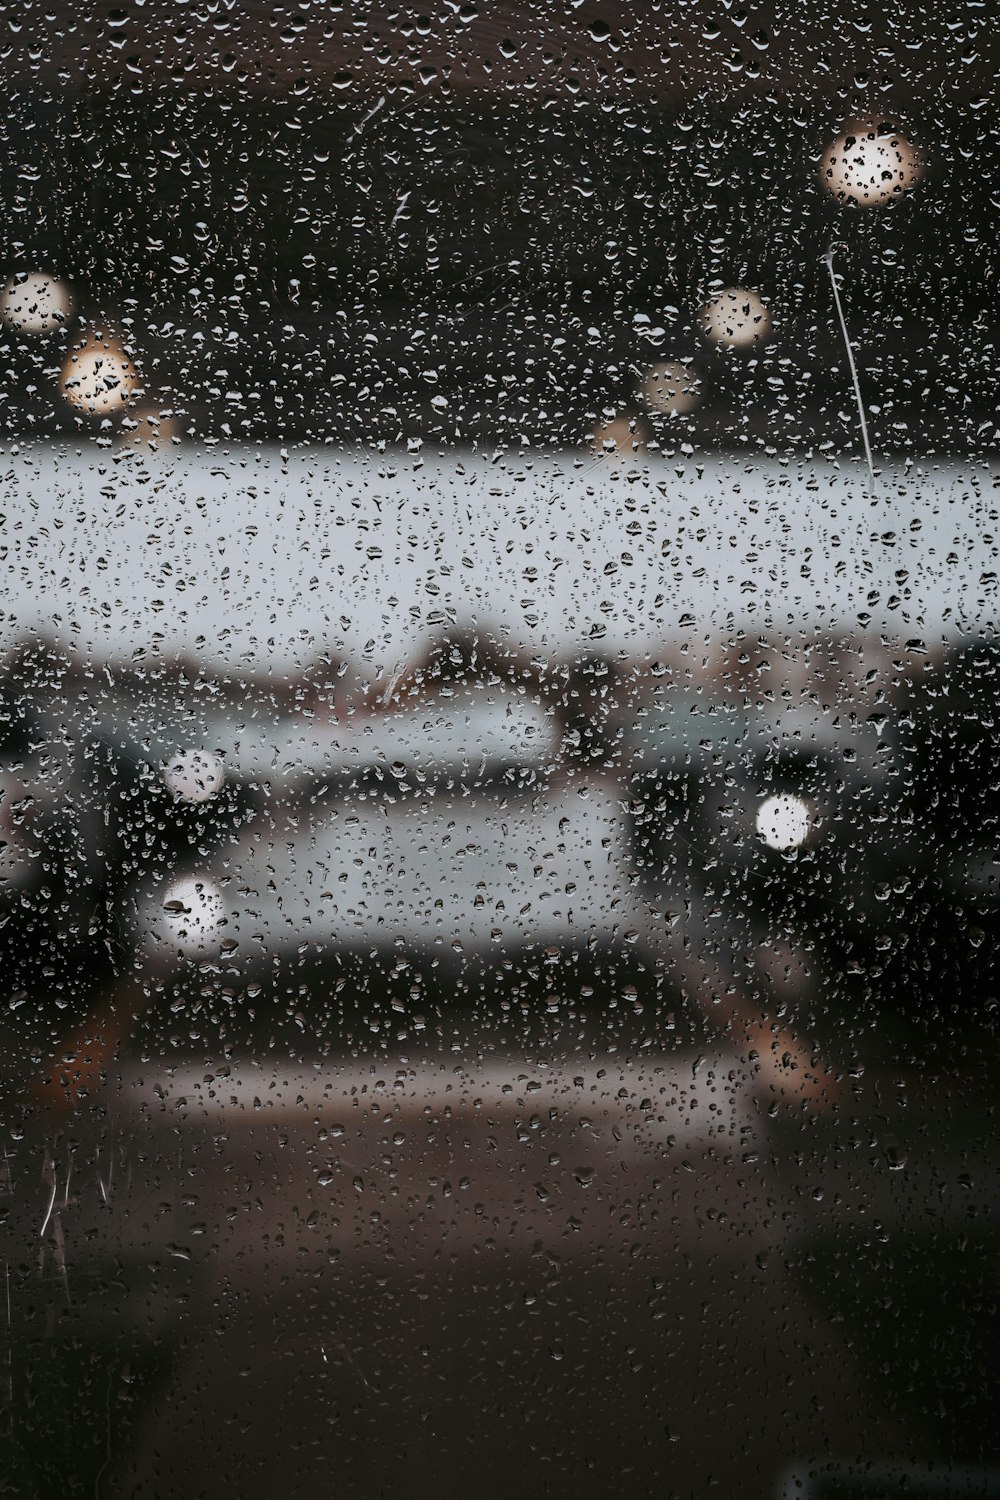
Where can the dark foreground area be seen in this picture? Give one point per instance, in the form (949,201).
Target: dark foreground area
(487,1101)
(452,1268)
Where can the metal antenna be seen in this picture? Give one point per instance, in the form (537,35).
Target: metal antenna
(828,257)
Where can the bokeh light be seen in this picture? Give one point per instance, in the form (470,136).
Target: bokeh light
(736,318)
(783,821)
(870,165)
(194,775)
(99,377)
(193,910)
(34,303)
(671,388)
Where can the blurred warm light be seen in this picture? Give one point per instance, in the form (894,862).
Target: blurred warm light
(870,164)
(671,388)
(194,775)
(783,821)
(34,303)
(620,435)
(150,427)
(193,910)
(99,377)
(736,318)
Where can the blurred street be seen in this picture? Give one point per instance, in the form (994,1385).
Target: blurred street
(540,1270)
(533,1074)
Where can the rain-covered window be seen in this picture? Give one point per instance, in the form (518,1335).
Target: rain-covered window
(499,751)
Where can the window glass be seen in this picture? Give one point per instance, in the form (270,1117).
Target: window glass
(499,771)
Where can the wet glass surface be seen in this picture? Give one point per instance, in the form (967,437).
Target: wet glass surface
(499,771)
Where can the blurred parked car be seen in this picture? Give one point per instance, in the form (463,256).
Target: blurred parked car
(442,832)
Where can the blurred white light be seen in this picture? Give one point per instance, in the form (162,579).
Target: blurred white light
(193,910)
(736,318)
(870,165)
(35,303)
(671,388)
(99,377)
(783,822)
(194,775)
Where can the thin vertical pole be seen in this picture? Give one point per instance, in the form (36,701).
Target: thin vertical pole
(828,257)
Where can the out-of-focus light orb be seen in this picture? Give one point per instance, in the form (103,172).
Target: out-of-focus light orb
(870,165)
(34,303)
(783,822)
(194,775)
(99,377)
(620,435)
(736,318)
(671,388)
(193,910)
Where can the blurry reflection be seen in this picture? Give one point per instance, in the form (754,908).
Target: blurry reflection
(194,775)
(193,910)
(783,822)
(736,318)
(870,164)
(35,303)
(671,388)
(99,376)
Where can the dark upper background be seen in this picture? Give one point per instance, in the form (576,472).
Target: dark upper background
(313,220)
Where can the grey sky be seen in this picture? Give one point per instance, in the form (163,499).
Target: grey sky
(243,555)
